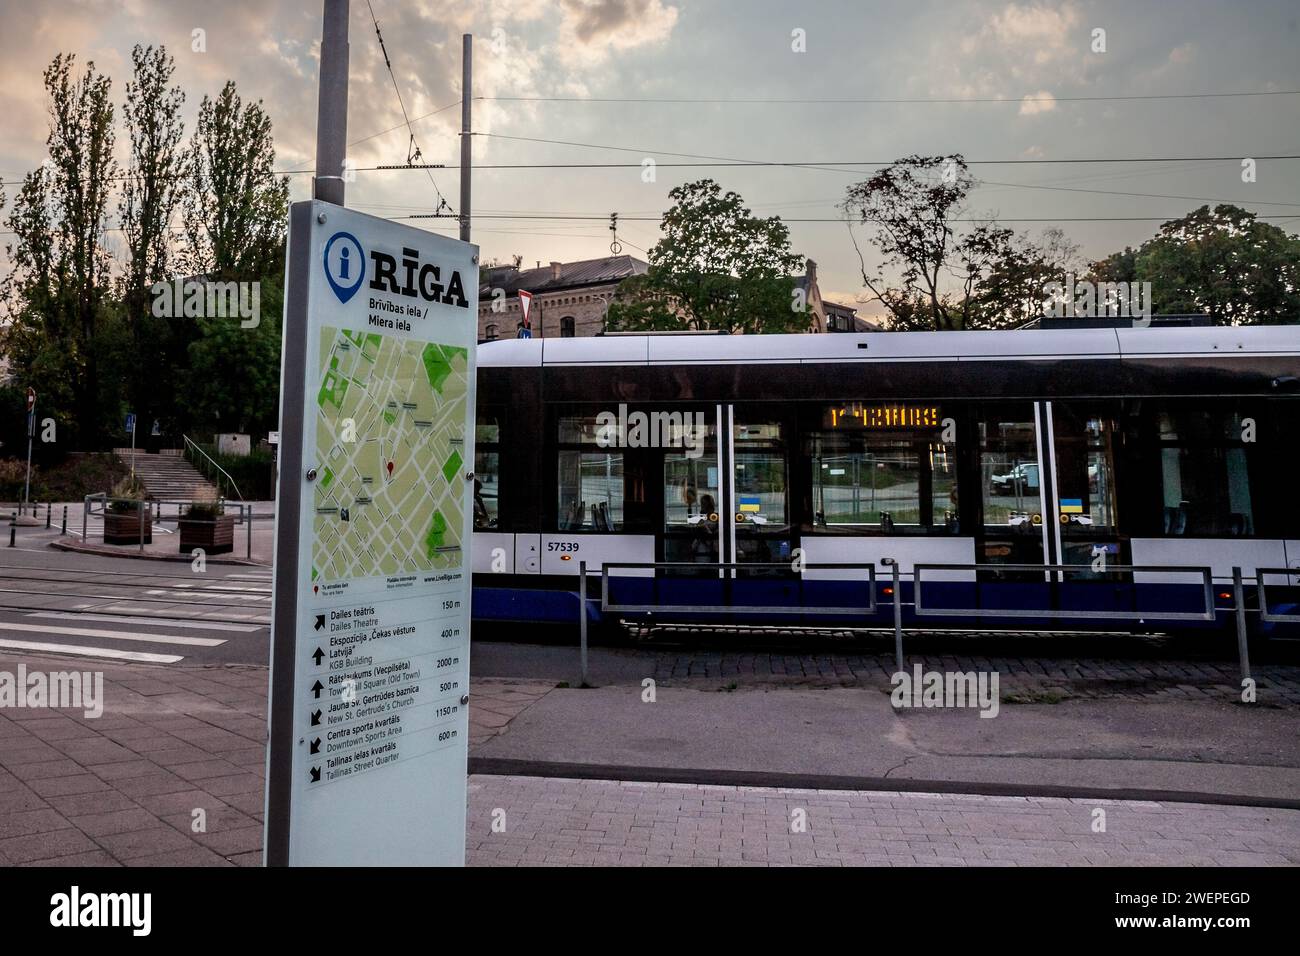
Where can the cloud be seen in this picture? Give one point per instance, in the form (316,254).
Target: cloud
(1040,102)
(605,26)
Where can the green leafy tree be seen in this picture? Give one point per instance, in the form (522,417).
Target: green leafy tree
(1011,293)
(717,267)
(235,212)
(58,291)
(1224,262)
(149,198)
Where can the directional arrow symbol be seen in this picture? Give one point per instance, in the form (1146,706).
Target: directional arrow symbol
(315,746)
(320,621)
(318,655)
(315,718)
(316,688)
(315,774)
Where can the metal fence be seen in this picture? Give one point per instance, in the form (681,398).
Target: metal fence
(1205,586)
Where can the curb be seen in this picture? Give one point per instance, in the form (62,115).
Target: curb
(105,552)
(501,766)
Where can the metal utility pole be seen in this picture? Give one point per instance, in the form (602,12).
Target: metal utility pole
(466,96)
(332,107)
(31,433)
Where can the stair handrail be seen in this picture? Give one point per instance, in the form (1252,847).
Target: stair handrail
(192,444)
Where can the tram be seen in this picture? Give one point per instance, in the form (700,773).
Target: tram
(1030,475)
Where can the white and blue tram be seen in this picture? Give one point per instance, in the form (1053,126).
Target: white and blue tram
(990,453)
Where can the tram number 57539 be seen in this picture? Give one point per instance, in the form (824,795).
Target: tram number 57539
(563,547)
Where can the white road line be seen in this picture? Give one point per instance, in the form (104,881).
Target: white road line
(113,635)
(168,621)
(93,652)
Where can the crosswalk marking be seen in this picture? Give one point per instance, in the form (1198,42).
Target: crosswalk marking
(113,635)
(139,656)
(168,621)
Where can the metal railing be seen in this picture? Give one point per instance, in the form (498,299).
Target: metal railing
(1205,614)
(190,444)
(701,570)
(154,508)
(1264,613)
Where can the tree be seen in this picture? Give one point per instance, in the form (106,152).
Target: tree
(149,198)
(235,212)
(914,204)
(1011,293)
(1223,262)
(58,290)
(717,267)
(235,209)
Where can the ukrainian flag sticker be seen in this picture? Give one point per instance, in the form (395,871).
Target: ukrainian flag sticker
(1072,506)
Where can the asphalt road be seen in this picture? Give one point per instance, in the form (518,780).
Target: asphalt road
(126,609)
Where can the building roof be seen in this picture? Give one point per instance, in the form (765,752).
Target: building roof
(573,275)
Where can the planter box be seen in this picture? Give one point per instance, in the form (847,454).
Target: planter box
(214,536)
(123,527)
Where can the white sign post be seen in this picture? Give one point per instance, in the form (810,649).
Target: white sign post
(370,642)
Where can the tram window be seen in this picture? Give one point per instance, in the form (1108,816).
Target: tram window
(760,489)
(1205,475)
(487,469)
(1085,483)
(691,493)
(872,482)
(1009,473)
(591,491)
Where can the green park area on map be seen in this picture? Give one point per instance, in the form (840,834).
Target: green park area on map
(390,431)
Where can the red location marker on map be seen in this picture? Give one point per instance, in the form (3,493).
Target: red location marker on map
(390,469)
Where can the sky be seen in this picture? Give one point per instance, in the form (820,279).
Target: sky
(782,77)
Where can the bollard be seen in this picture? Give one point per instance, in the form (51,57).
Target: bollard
(892,564)
(582,617)
(249,519)
(140,511)
(1239,600)
(47,515)
(65,521)
(13,528)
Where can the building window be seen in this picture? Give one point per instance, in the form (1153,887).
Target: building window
(566,327)
(490,334)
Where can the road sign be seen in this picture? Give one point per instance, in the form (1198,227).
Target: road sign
(31,400)
(370,640)
(130,423)
(525,306)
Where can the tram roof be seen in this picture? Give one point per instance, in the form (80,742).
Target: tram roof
(1027,344)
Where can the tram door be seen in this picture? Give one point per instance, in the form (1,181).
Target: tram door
(727,501)
(1012,476)
(1048,488)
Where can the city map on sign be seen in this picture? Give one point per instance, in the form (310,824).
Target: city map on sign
(390,442)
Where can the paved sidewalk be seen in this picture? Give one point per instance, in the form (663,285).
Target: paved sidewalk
(561,822)
(123,789)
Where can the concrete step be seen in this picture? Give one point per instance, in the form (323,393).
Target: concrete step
(167,476)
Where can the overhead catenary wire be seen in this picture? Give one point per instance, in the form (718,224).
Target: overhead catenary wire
(413,151)
(865,100)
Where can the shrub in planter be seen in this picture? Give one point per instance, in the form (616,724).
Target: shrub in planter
(206,525)
(128,516)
